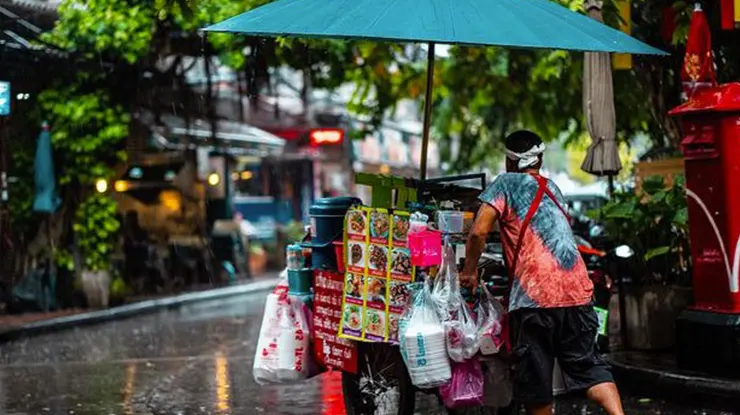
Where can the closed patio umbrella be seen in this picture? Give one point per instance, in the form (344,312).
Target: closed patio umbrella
(45,199)
(602,158)
(541,24)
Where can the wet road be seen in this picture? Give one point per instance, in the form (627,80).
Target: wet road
(192,360)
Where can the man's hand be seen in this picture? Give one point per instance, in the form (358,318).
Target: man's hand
(469,280)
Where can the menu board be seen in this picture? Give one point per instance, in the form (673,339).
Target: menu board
(331,351)
(379,269)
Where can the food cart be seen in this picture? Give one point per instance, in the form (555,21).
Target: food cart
(375,380)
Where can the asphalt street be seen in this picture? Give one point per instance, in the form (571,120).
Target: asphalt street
(196,359)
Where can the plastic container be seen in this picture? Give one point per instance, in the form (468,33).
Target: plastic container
(299,281)
(327,224)
(425,248)
(450,221)
(468,219)
(339,252)
(294,257)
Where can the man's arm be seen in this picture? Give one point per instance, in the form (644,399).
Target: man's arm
(484,221)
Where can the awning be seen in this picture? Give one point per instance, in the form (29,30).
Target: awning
(231,137)
(19,33)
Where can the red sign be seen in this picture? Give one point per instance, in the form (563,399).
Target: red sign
(331,351)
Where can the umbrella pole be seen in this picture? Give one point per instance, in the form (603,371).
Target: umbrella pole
(427,110)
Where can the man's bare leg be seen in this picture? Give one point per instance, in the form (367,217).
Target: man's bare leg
(607,395)
(539,409)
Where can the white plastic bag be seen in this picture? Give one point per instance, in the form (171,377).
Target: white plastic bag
(283,348)
(294,343)
(461,330)
(265,368)
(422,341)
(490,320)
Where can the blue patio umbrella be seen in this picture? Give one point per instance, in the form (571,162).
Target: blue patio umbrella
(540,24)
(46,199)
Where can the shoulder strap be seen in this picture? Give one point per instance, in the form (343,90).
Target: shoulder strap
(542,190)
(527,219)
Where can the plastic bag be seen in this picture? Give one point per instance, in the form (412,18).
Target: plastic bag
(461,330)
(466,387)
(422,340)
(283,351)
(497,386)
(490,322)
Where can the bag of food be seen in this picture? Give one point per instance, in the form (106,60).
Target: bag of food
(497,386)
(465,390)
(265,368)
(461,330)
(422,340)
(490,322)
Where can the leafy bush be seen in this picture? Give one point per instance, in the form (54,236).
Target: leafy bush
(96,227)
(654,223)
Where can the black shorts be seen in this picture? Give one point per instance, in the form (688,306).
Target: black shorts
(539,336)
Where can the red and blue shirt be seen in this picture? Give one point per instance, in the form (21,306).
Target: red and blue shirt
(550,272)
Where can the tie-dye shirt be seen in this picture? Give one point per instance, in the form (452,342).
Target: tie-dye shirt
(550,272)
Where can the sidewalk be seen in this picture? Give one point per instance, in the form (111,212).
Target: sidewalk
(650,374)
(16,326)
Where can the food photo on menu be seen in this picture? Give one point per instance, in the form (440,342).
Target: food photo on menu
(401,261)
(375,324)
(400,228)
(399,294)
(352,320)
(356,221)
(356,255)
(393,320)
(353,285)
(379,225)
(376,292)
(378,260)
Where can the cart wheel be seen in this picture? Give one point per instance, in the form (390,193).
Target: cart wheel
(382,385)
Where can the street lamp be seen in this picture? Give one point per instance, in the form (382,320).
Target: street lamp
(101,185)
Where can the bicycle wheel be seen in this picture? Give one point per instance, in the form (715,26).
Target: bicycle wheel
(382,385)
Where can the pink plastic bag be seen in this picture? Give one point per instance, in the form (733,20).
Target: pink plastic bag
(465,390)
(426,248)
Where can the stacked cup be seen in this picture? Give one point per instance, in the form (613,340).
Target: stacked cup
(426,355)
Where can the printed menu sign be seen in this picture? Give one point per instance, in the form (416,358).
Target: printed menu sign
(331,351)
(378,271)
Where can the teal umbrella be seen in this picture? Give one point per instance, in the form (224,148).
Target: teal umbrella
(540,24)
(46,199)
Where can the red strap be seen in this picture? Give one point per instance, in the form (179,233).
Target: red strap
(542,190)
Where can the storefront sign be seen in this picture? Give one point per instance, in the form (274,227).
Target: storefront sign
(331,351)
(378,271)
(4,98)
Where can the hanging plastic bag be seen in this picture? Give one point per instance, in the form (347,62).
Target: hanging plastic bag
(294,353)
(265,368)
(466,387)
(422,340)
(497,386)
(490,322)
(461,330)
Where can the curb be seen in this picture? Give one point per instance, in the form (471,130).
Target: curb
(675,385)
(131,310)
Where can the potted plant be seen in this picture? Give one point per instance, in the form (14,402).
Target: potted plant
(95,229)
(654,223)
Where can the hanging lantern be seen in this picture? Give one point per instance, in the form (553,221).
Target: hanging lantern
(698,65)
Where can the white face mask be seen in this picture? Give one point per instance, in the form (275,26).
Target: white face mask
(528,158)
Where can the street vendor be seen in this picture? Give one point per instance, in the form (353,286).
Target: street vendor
(550,299)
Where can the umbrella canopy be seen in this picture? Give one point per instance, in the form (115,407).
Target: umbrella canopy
(534,24)
(602,158)
(518,24)
(46,199)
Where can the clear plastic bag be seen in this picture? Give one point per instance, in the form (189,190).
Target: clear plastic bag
(461,330)
(490,322)
(466,387)
(497,386)
(422,340)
